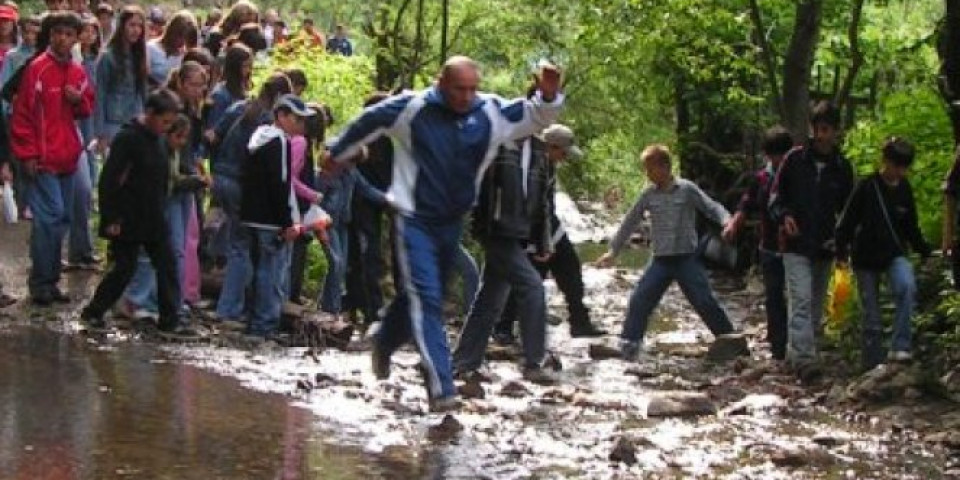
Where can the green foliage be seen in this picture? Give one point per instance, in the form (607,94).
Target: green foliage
(919,115)
(340,82)
(316,270)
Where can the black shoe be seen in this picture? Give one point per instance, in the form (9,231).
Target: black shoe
(504,339)
(7,300)
(586,329)
(59,297)
(91,320)
(178,332)
(41,300)
(380,362)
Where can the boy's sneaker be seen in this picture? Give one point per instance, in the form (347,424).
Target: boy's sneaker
(539,376)
(7,300)
(144,314)
(900,356)
(630,350)
(445,404)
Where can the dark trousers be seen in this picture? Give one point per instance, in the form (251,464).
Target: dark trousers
(298,265)
(565,267)
(365,262)
(506,271)
(775,302)
(124,255)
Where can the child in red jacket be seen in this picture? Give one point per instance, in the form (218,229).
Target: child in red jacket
(53,93)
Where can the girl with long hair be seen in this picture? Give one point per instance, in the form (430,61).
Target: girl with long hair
(237,69)
(121,79)
(240,13)
(166,52)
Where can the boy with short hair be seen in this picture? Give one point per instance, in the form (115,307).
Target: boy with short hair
(672,204)
(133,194)
(269,210)
(53,93)
(877,224)
(810,191)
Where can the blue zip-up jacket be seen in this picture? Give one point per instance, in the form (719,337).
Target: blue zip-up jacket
(338,193)
(118,97)
(228,157)
(440,155)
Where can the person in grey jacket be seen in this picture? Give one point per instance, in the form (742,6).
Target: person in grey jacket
(672,204)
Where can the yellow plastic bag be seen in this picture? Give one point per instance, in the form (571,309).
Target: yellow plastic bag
(841,286)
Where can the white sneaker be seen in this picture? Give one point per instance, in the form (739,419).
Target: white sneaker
(144,314)
(900,356)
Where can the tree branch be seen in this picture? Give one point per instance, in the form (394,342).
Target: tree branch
(856,59)
(766,55)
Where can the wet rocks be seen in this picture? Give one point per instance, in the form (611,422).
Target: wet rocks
(886,382)
(472,390)
(514,389)
(600,351)
(754,404)
(727,348)
(448,429)
(641,372)
(797,458)
(624,451)
(950,382)
(947,439)
(680,404)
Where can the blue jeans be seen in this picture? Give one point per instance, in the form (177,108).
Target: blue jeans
(692,278)
(273,263)
(807,281)
(904,290)
(50,198)
(466,266)
(331,297)
(507,270)
(81,237)
(239,270)
(775,301)
(425,254)
(142,290)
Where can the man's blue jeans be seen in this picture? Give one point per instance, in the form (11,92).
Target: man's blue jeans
(50,198)
(239,270)
(273,263)
(904,289)
(692,278)
(807,281)
(81,237)
(425,254)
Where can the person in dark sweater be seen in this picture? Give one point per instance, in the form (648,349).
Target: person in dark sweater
(808,194)
(6,176)
(776,143)
(512,212)
(133,194)
(268,209)
(878,223)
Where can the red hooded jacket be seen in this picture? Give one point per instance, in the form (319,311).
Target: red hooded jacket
(42,127)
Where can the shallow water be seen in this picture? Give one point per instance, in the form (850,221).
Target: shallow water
(70,409)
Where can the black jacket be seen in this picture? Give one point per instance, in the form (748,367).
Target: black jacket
(814,197)
(265,180)
(503,210)
(864,227)
(134,184)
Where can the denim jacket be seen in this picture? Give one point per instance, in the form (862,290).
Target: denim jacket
(118,98)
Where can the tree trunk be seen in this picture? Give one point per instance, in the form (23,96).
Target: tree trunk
(797,65)
(949,51)
(768,56)
(845,91)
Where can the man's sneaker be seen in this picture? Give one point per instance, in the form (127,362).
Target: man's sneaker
(473,376)
(539,376)
(900,356)
(41,300)
(59,297)
(445,404)
(145,314)
(91,320)
(380,362)
(630,350)
(7,300)
(586,330)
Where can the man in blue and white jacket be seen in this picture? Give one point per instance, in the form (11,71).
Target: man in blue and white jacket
(444,138)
